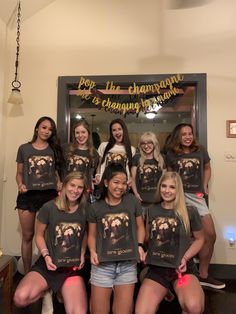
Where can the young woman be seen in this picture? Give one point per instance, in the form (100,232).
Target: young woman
(147,168)
(80,155)
(175,236)
(192,162)
(118,149)
(61,239)
(39,164)
(115,239)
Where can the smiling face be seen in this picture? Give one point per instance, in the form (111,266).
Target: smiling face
(44,130)
(81,136)
(116,187)
(168,191)
(117,133)
(186,136)
(147,147)
(74,189)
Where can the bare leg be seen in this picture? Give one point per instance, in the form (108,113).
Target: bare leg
(27,221)
(150,296)
(206,252)
(30,289)
(190,295)
(100,300)
(123,299)
(74,295)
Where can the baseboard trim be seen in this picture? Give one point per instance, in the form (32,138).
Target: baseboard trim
(223,271)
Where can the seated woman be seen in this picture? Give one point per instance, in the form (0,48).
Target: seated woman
(175,236)
(61,239)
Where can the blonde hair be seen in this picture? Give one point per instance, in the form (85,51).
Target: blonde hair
(179,202)
(62,202)
(150,136)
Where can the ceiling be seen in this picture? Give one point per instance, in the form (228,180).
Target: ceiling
(29,7)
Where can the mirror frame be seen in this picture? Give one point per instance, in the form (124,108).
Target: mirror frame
(197,80)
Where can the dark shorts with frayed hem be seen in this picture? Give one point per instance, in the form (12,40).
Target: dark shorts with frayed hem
(33,200)
(166,276)
(55,279)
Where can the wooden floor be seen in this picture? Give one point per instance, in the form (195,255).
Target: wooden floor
(217,302)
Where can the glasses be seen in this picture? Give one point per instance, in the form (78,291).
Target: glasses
(146,143)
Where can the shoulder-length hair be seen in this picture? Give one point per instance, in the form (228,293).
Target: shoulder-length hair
(74,145)
(62,202)
(179,202)
(125,142)
(53,142)
(174,142)
(150,136)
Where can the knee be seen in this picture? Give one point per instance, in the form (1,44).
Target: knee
(193,307)
(27,237)
(210,238)
(20,298)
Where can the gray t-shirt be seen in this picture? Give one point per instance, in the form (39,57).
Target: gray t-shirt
(116,238)
(38,166)
(147,178)
(190,167)
(64,233)
(168,240)
(79,160)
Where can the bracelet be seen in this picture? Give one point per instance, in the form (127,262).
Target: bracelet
(43,250)
(186,258)
(46,255)
(97,174)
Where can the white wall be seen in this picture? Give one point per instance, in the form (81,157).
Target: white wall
(126,37)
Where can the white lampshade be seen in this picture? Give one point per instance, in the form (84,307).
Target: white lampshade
(15,97)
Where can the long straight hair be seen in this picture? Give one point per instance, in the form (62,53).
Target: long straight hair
(179,202)
(53,142)
(125,142)
(150,136)
(62,202)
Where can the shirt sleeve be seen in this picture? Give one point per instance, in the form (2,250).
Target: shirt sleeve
(133,150)
(43,215)
(101,148)
(135,160)
(206,157)
(19,156)
(138,207)
(91,217)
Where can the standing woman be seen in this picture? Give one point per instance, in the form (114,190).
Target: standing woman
(80,155)
(192,162)
(147,168)
(61,239)
(175,237)
(118,149)
(39,164)
(115,240)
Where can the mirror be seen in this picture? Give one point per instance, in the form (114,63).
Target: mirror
(152,102)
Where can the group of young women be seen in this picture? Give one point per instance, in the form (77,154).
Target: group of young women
(133,189)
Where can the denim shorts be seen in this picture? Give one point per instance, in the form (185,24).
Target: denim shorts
(110,274)
(198,201)
(33,200)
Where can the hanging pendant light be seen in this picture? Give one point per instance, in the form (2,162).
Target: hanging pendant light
(15,97)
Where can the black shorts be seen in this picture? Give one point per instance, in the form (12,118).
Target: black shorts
(55,279)
(166,276)
(33,200)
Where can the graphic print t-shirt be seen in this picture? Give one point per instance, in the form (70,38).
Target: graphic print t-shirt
(65,234)
(116,154)
(79,160)
(147,178)
(190,167)
(116,238)
(167,237)
(39,167)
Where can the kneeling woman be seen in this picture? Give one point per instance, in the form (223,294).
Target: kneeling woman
(170,250)
(61,239)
